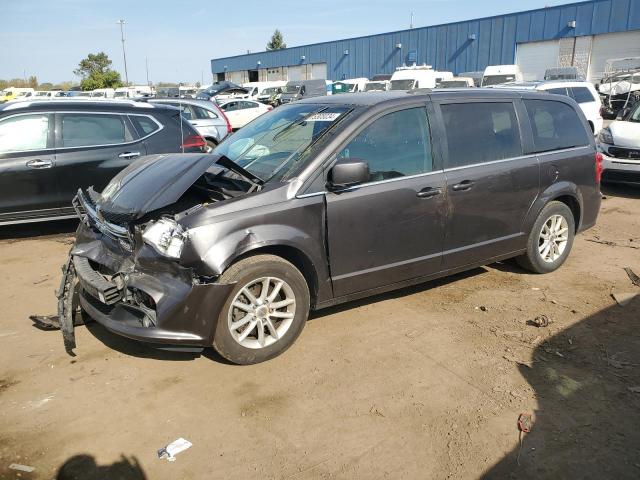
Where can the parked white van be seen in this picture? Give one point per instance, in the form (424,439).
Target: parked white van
(349,85)
(499,74)
(103,93)
(417,76)
(584,93)
(257,88)
(441,76)
(133,91)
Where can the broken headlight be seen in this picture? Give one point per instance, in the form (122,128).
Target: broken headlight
(606,136)
(166,237)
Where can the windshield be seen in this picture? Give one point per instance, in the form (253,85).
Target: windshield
(375,87)
(120,94)
(277,145)
(402,84)
(42,94)
(453,83)
(635,114)
(98,94)
(497,79)
(292,88)
(270,91)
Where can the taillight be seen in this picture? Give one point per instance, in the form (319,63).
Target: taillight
(598,167)
(229,129)
(269,108)
(194,141)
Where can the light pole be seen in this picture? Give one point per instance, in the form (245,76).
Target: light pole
(124,54)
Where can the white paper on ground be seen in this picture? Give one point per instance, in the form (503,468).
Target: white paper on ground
(174,448)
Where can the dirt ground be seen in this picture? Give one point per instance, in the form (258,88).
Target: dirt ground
(426,382)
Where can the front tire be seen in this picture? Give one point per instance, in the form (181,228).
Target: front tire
(550,239)
(265,312)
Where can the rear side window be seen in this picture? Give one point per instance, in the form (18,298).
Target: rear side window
(144,125)
(582,95)
(24,132)
(555,125)
(395,145)
(82,130)
(559,91)
(480,132)
(203,113)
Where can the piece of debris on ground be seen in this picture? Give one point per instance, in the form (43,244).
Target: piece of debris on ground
(174,448)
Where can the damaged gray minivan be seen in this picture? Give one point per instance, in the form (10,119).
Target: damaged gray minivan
(324,201)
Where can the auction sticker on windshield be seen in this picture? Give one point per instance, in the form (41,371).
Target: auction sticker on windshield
(323,117)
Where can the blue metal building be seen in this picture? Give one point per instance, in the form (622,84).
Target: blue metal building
(587,34)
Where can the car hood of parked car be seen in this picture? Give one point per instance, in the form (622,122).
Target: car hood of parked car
(626,134)
(154,182)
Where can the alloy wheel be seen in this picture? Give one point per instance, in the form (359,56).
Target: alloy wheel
(553,238)
(261,312)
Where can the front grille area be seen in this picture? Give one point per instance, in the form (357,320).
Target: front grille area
(625,153)
(95,283)
(621,176)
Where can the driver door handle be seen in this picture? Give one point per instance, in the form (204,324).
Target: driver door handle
(39,163)
(428,192)
(464,185)
(129,155)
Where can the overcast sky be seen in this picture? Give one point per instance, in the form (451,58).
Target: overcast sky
(48,38)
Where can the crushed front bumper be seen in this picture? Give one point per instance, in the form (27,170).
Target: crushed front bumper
(141,295)
(620,170)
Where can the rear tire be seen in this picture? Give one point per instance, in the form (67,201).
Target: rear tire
(264,313)
(550,239)
(211,144)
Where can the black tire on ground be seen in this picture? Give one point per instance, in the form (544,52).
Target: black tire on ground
(532,260)
(211,143)
(243,272)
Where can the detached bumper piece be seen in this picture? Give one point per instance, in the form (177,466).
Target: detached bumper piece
(95,284)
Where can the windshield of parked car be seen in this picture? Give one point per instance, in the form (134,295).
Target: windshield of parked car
(372,87)
(270,91)
(292,88)
(497,79)
(402,84)
(120,94)
(277,145)
(634,116)
(453,83)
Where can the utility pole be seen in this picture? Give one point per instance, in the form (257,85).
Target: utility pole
(146,64)
(124,54)
(411,23)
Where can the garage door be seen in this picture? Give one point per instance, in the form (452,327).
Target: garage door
(535,57)
(319,70)
(295,73)
(612,46)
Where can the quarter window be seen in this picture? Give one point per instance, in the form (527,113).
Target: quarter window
(582,95)
(83,130)
(203,113)
(559,91)
(23,133)
(396,145)
(144,125)
(480,132)
(555,125)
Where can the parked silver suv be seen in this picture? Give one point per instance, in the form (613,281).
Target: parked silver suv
(206,117)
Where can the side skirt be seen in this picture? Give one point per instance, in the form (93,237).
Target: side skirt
(413,281)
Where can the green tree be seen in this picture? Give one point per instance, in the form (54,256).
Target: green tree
(96,72)
(276,42)
(32,82)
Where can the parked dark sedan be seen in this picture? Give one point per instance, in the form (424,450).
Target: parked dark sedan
(328,200)
(49,149)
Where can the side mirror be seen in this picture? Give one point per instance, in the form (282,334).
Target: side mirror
(622,114)
(347,172)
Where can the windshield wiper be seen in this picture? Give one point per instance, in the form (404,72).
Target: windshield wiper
(234,167)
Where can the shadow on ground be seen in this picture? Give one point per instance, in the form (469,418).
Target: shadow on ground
(40,229)
(84,467)
(620,190)
(587,383)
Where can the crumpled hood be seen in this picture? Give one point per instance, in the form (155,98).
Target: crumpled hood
(154,182)
(625,134)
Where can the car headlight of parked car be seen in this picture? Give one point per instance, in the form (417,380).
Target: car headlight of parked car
(166,237)
(606,137)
